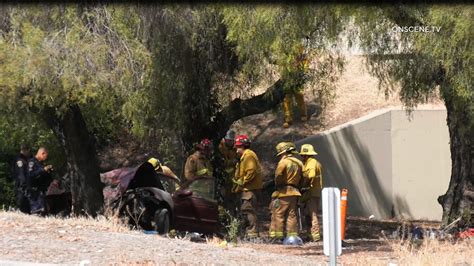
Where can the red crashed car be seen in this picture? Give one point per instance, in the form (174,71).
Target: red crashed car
(152,201)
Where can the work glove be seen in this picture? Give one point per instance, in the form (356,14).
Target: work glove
(238,182)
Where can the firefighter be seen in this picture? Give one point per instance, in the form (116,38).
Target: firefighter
(38,181)
(295,75)
(248,183)
(311,188)
(166,171)
(284,200)
(229,156)
(198,163)
(163,169)
(20,172)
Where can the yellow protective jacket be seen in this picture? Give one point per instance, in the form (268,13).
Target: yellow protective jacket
(197,165)
(249,172)
(287,177)
(230,158)
(312,175)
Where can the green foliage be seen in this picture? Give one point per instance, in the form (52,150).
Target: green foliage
(19,128)
(7,187)
(233,225)
(419,73)
(16,129)
(188,51)
(55,56)
(193,52)
(268,39)
(272,34)
(104,118)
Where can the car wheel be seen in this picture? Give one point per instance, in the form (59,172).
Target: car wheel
(162,221)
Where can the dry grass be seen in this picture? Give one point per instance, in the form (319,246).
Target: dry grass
(427,252)
(358,94)
(434,252)
(102,223)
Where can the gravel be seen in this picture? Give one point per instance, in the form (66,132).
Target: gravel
(94,242)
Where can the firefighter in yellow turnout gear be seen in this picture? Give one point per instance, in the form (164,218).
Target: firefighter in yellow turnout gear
(294,75)
(198,163)
(312,186)
(165,170)
(248,183)
(284,200)
(229,154)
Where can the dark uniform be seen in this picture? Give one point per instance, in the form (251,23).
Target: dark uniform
(38,183)
(20,171)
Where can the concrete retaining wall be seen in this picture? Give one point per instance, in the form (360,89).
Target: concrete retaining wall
(393,167)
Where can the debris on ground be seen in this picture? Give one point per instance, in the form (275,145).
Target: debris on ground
(466,234)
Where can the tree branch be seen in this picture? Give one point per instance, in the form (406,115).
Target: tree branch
(239,108)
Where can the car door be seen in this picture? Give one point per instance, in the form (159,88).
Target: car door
(195,207)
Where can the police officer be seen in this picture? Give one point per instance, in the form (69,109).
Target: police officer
(20,172)
(39,179)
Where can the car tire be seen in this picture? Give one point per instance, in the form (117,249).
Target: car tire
(162,221)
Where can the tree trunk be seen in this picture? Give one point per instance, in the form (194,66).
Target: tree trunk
(82,163)
(201,126)
(459,197)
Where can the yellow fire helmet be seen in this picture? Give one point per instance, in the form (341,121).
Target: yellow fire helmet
(283,147)
(156,163)
(307,149)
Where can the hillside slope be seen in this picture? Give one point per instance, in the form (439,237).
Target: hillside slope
(357,94)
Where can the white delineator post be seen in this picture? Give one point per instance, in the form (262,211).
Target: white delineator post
(331,197)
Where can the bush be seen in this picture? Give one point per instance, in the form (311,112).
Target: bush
(7,187)
(233,227)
